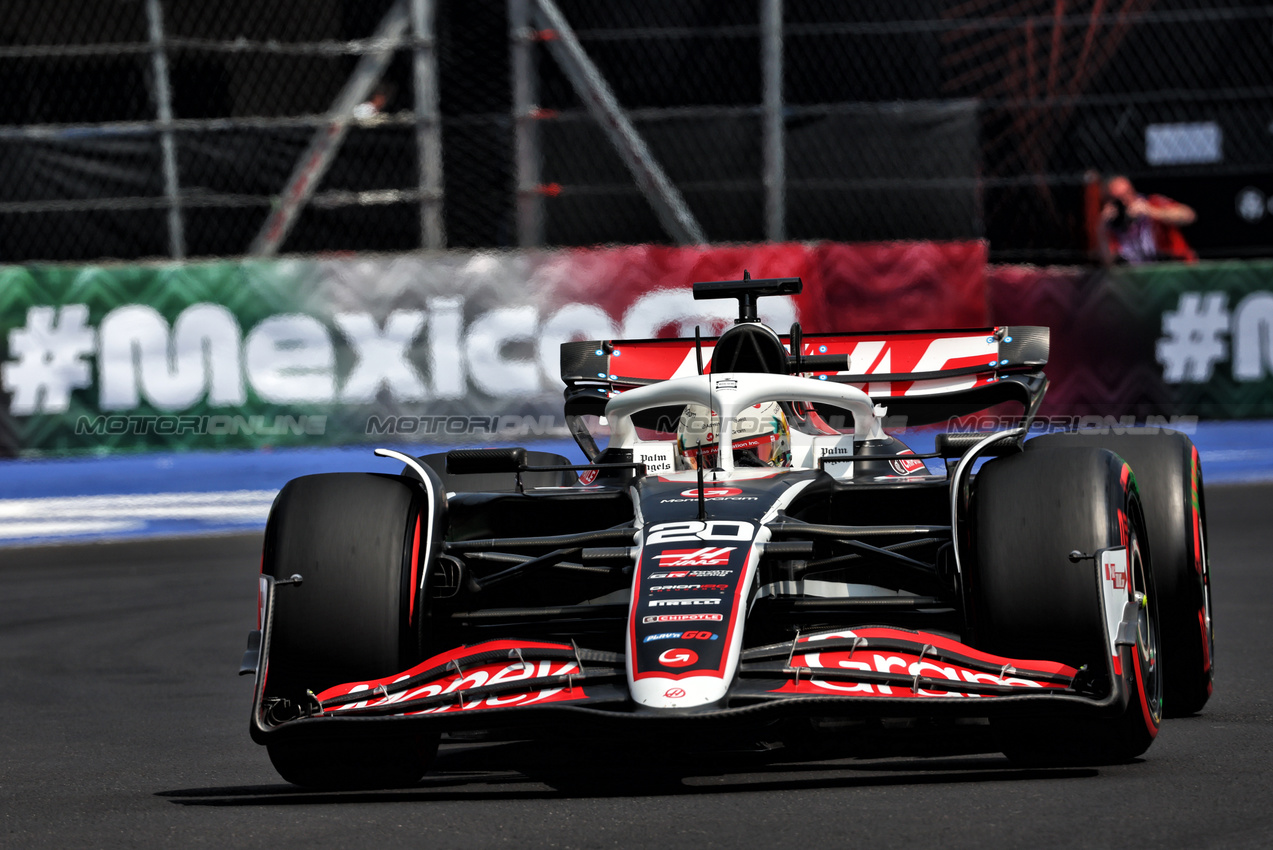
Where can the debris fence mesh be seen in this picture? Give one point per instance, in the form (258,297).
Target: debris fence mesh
(168,128)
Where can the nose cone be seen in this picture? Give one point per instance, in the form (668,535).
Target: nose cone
(690,692)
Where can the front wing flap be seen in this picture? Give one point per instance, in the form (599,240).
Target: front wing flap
(862,671)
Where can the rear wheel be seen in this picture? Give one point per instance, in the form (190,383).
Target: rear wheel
(1169,478)
(354,539)
(1029,601)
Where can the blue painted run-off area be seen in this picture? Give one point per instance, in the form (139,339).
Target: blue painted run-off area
(44,501)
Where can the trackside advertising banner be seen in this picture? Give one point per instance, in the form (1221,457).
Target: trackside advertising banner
(451,347)
(1166,340)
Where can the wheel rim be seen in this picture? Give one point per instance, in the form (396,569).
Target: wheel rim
(1208,636)
(1147,638)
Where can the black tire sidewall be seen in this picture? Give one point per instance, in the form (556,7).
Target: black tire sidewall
(1030,601)
(1029,512)
(1168,475)
(349,535)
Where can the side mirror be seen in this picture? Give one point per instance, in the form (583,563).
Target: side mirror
(953,444)
(477,461)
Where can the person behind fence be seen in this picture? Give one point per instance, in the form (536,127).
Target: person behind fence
(1140,229)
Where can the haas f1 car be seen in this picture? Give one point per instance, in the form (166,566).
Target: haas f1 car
(751,550)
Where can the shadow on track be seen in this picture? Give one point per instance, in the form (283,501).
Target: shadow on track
(520,771)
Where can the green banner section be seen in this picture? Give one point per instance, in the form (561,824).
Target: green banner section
(1208,329)
(463,347)
(1211,328)
(103,359)
(1156,340)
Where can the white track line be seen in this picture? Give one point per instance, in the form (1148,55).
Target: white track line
(78,516)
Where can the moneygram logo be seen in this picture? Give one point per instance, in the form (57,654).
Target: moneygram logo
(678,657)
(712,492)
(708,556)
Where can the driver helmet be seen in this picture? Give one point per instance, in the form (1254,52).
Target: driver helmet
(761,436)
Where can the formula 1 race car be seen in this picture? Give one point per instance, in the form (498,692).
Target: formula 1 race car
(751,550)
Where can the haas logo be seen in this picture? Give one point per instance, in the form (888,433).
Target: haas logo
(678,657)
(708,556)
(1116,574)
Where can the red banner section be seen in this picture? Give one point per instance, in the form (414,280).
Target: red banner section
(896,286)
(861,287)
(1060,299)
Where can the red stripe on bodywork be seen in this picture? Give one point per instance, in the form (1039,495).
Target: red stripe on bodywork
(1197,515)
(1206,641)
(415,561)
(1140,688)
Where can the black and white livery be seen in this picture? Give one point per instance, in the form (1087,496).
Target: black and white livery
(752,549)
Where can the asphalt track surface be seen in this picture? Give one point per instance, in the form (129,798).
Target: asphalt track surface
(122,724)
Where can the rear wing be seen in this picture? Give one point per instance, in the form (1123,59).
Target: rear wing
(926,375)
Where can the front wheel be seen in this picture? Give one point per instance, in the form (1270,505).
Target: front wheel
(355,539)
(1030,601)
(1169,478)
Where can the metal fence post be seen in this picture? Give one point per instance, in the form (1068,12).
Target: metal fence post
(775,177)
(669,206)
(317,157)
(530,204)
(428,124)
(162,93)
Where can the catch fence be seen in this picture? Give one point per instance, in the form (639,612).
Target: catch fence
(168,128)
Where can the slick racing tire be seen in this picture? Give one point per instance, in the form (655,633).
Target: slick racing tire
(1169,478)
(352,539)
(1029,601)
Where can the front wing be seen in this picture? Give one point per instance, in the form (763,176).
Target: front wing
(861,671)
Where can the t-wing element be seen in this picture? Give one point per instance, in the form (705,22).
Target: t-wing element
(730,394)
(747,291)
